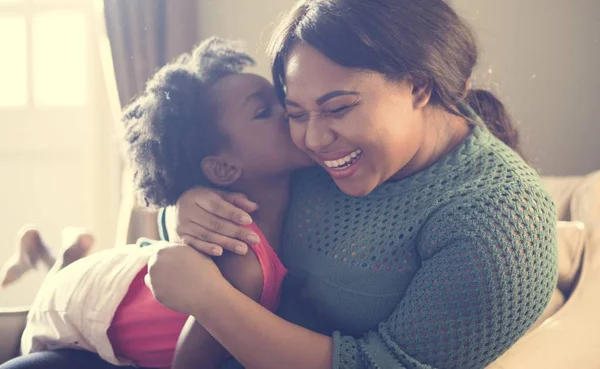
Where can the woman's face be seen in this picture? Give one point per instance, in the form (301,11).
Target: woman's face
(359,126)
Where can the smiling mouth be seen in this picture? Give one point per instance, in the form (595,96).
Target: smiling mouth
(345,162)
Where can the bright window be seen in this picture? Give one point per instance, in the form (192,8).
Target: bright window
(60,75)
(13,63)
(57,158)
(45,46)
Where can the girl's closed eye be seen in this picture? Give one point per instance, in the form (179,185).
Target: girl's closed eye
(263,113)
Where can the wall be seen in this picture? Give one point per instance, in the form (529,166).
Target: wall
(543,59)
(250,21)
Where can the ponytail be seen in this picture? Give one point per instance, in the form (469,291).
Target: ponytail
(495,116)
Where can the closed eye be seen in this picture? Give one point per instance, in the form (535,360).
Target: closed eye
(341,110)
(338,113)
(263,113)
(301,117)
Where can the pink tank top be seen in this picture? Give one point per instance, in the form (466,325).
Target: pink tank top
(146,332)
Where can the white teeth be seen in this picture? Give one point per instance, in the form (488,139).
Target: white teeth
(343,161)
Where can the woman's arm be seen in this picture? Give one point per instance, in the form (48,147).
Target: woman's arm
(486,276)
(196,348)
(258,338)
(255,336)
(210,221)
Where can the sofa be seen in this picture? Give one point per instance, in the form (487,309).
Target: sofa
(565,336)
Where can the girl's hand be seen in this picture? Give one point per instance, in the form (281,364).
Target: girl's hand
(211,220)
(181,278)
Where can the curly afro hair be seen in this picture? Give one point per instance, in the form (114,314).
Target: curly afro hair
(172,126)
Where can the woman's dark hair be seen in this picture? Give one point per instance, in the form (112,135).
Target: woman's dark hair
(397,38)
(172,126)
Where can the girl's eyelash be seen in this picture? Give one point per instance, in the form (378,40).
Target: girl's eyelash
(263,113)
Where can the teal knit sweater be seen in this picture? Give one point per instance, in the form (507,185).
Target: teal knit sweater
(444,269)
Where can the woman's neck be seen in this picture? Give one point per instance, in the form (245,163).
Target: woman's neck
(272,196)
(444,131)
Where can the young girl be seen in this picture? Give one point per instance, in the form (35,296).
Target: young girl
(200,121)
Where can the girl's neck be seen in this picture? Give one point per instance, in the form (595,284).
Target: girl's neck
(272,197)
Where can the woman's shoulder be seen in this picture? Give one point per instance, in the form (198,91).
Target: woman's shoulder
(493,190)
(492,171)
(508,208)
(499,183)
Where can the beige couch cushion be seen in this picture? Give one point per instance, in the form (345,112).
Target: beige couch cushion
(585,201)
(12,323)
(561,189)
(571,240)
(568,339)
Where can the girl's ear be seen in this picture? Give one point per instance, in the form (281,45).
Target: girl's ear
(218,171)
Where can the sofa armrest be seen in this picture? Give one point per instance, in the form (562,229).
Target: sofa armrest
(12,323)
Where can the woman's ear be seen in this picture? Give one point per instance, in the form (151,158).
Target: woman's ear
(219,171)
(422,86)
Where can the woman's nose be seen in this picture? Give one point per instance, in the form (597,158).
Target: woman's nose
(318,135)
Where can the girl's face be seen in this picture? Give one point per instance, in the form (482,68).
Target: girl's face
(359,126)
(256,126)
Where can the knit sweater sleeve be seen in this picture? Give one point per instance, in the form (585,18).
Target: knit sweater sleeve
(488,269)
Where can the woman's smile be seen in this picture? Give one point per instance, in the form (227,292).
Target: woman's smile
(342,165)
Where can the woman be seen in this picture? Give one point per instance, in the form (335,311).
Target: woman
(420,240)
